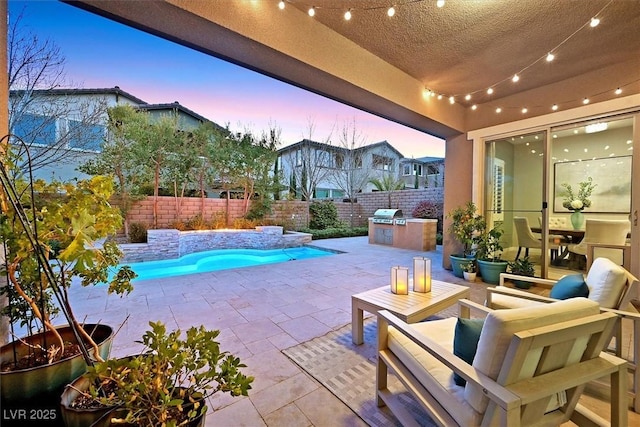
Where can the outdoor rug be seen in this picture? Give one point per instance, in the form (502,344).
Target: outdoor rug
(349,372)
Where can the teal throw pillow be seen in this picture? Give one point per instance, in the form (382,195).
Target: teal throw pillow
(465,343)
(570,287)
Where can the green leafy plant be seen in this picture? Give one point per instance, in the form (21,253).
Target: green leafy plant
(168,383)
(579,201)
(522,267)
(467,226)
(489,246)
(137,232)
(324,215)
(469,267)
(69,220)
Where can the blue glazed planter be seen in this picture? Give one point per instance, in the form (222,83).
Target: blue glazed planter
(490,271)
(456,261)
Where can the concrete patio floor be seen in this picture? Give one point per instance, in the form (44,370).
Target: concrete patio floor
(260,311)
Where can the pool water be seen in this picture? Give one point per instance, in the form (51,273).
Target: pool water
(221,259)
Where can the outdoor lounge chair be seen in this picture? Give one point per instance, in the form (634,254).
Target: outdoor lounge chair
(530,367)
(610,285)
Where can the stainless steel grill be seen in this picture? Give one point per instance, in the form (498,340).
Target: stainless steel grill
(386,216)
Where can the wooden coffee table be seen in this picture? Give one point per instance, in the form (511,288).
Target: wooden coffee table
(410,308)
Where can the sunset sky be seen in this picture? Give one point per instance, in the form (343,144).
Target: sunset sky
(101,53)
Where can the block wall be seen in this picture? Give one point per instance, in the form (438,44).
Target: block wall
(290,214)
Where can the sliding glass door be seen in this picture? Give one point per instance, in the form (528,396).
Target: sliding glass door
(514,196)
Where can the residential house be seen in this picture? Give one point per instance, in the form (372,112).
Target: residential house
(422,172)
(64,128)
(336,172)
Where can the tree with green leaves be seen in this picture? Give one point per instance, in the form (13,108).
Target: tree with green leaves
(118,159)
(389,184)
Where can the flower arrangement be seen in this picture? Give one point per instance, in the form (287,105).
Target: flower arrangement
(577,202)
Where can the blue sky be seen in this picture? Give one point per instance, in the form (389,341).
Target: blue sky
(101,53)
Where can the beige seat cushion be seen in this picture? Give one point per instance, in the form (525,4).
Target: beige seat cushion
(436,377)
(499,301)
(606,281)
(498,330)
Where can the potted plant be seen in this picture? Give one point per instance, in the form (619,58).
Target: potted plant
(50,232)
(165,385)
(522,267)
(466,227)
(469,271)
(490,263)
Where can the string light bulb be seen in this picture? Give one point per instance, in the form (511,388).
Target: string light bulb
(618,91)
(594,22)
(281,5)
(550,57)
(452,100)
(490,91)
(474,107)
(525,110)
(498,110)
(391,11)
(347,15)
(439,97)
(554,107)
(312,11)
(515,78)
(440,3)
(585,101)
(467,97)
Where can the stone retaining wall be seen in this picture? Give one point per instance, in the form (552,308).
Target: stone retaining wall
(170,243)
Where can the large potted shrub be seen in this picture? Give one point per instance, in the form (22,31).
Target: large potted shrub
(51,233)
(490,263)
(165,385)
(466,227)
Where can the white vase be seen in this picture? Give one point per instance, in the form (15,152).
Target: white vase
(470,277)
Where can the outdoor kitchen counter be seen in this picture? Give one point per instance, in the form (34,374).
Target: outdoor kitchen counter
(405,233)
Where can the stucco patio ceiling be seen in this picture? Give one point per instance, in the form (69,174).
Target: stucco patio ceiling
(383,65)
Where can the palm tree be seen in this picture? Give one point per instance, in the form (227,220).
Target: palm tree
(388,183)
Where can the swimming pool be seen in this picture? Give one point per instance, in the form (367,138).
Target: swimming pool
(221,259)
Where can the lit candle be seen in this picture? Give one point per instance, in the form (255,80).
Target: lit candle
(421,274)
(400,280)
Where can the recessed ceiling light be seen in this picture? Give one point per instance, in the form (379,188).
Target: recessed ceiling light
(595,127)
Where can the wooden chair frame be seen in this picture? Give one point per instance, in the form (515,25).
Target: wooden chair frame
(513,402)
(628,295)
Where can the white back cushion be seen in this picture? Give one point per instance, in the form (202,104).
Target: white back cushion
(498,330)
(606,281)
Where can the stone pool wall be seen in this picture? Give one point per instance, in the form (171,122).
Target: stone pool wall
(171,243)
